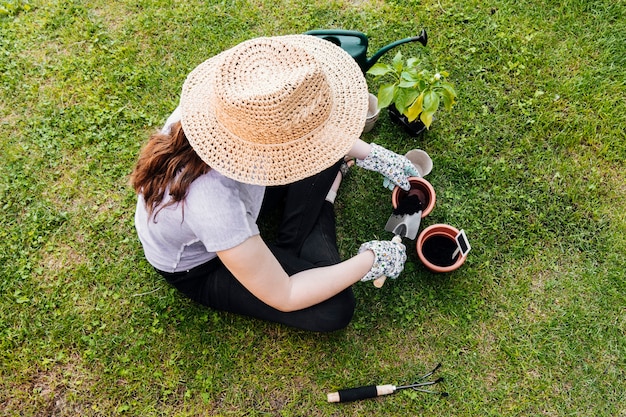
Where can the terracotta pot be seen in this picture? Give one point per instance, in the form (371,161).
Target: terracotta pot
(420,187)
(436,246)
(372,113)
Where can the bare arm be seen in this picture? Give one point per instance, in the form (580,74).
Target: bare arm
(255,266)
(360,149)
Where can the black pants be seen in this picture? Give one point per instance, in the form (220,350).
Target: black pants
(305,238)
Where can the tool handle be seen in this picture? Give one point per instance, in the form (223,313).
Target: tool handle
(380,281)
(360,393)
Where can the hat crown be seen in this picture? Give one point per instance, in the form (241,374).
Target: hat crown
(269,93)
(274,110)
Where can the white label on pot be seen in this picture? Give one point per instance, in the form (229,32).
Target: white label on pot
(462,243)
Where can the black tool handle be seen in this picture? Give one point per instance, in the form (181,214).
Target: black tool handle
(360,393)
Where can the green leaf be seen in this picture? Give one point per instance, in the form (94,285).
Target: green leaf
(429,107)
(427,119)
(407,84)
(412,62)
(415,109)
(449,88)
(397,63)
(405,98)
(447,101)
(449,96)
(431,101)
(380,69)
(410,75)
(385,95)
(411,95)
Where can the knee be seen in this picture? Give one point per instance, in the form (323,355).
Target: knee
(337,314)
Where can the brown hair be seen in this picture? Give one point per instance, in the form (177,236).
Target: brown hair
(166,163)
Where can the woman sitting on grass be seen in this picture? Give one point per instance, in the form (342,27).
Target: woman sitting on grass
(263,126)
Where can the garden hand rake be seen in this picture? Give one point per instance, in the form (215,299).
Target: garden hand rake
(372,391)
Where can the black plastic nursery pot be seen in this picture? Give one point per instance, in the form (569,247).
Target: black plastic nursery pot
(414,128)
(437,248)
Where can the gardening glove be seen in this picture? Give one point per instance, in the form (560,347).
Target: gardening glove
(395,168)
(389,258)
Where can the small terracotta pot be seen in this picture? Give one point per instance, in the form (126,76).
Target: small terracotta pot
(435,247)
(420,187)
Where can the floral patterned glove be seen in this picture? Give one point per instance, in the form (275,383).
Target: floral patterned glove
(395,168)
(389,258)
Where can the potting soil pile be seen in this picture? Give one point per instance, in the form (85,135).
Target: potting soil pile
(410,204)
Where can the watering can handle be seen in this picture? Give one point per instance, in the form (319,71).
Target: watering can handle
(338,32)
(421,38)
(380,281)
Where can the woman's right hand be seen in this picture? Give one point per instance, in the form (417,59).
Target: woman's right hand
(396,169)
(389,258)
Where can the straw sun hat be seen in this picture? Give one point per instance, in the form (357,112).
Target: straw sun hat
(274,110)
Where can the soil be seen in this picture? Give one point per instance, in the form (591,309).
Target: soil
(438,250)
(410,204)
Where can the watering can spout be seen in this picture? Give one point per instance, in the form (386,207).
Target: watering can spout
(355,43)
(421,38)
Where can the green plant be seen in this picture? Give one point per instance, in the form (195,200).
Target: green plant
(414,91)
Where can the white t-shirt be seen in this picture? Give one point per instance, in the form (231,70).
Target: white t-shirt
(218,214)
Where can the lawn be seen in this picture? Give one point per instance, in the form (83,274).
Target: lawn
(530,163)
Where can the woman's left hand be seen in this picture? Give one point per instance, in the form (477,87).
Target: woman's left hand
(395,168)
(389,258)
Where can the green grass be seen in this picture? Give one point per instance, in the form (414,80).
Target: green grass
(530,163)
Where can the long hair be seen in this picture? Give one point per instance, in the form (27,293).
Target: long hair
(167,163)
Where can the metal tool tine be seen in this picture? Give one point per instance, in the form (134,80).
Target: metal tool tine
(421,384)
(431,372)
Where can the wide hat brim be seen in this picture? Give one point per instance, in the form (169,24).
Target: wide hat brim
(277,163)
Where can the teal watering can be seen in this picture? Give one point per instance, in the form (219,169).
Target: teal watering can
(355,43)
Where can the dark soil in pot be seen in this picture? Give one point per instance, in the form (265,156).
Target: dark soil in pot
(421,196)
(410,204)
(412,201)
(438,250)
